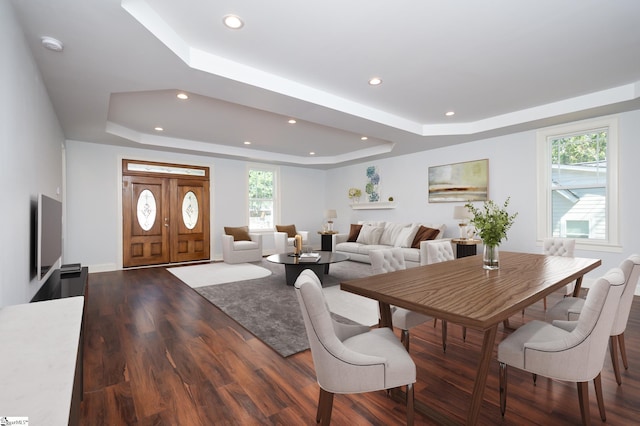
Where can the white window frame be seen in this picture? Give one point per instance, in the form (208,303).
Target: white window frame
(276,194)
(544,219)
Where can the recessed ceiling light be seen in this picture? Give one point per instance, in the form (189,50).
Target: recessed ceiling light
(364,138)
(292,121)
(182,96)
(247,143)
(312,153)
(375,81)
(233,21)
(158,129)
(52,43)
(450,113)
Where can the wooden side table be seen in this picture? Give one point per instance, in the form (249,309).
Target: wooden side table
(465,247)
(326,240)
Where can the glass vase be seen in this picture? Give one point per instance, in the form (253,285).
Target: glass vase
(490,257)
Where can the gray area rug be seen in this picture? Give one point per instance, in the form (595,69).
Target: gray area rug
(269,309)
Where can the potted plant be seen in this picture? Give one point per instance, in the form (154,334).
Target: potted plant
(354,194)
(492,223)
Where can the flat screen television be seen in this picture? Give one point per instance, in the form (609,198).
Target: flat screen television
(49,234)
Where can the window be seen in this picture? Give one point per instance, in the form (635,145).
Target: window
(577,183)
(262,190)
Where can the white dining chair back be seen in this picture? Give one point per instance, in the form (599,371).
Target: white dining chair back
(439,251)
(390,260)
(559,247)
(567,350)
(570,308)
(350,358)
(386,260)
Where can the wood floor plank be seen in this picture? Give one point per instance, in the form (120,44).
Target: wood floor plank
(158,353)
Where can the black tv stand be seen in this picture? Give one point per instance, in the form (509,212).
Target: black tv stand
(63,285)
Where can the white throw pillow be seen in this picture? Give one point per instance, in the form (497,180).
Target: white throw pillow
(406,236)
(390,233)
(369,235)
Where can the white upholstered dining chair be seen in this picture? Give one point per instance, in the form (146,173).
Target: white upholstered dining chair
(569,309)
(559,247)
(567,350)
(442,251)
(350,358)
(389,260)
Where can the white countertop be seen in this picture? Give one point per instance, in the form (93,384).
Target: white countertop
(38,359)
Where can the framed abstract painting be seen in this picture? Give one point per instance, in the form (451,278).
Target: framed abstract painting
(459,182)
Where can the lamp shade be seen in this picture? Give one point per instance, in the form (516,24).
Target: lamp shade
(462,213)
(330,214)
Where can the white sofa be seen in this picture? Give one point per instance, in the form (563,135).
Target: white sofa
(388,234)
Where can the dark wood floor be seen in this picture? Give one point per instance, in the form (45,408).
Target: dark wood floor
(157,353)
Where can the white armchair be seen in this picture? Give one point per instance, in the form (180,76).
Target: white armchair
(284,237)
(240,246)
(350,358)
(567,350)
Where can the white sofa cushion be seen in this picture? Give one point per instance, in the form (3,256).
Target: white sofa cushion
(406,235)
(370,234)
(391,232)
(366,248)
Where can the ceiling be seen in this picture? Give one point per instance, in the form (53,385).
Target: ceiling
(503,66)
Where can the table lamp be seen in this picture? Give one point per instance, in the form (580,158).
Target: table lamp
(330,214)
(462,214)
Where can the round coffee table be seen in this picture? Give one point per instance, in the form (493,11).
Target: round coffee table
(293,265)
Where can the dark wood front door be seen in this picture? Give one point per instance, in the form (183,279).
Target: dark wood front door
(165,214)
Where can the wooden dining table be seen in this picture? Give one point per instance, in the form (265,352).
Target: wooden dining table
(462,292)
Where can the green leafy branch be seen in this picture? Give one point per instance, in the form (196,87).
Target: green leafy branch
(492,221)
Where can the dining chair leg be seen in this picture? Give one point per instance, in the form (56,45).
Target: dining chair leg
(444,336)
(623,350)
(502,374)
(464,334)
(404,339)
(597,382)
(325,406)
(435,322)
(535,378)
(583,398)
(613,349)
(410,400)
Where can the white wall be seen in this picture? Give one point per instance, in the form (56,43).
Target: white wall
(93,235)
(512,172)
(31,162)
(94,209)
(30,159)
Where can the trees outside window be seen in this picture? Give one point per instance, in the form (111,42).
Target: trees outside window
(577,182)
(262,198)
